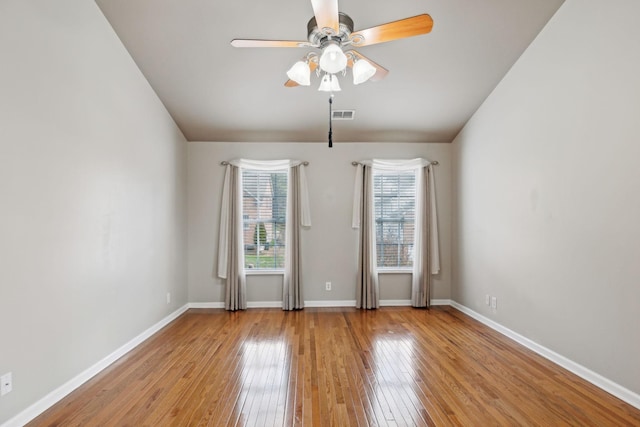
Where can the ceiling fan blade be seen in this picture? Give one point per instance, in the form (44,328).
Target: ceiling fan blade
(312,67)
(268,43)
(408,27)
(381,72)
(326,13)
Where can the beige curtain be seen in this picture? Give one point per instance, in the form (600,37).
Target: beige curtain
(421,279)
(367,295)
(426,254)
(230,244)
(292,285)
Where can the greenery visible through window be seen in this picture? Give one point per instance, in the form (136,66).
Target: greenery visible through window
(264,218)
(394,206)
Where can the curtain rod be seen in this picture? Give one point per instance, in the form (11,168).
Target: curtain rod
(435,162)
(225,163)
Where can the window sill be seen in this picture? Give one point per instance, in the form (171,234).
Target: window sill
(256,272)
(395,271)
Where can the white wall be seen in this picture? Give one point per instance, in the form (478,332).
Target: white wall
(92,193)
(548,204)
(329,246)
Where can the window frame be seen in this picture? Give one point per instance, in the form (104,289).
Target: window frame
(380,220)
(250,225)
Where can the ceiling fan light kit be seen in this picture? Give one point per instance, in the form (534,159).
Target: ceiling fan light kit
(331,31)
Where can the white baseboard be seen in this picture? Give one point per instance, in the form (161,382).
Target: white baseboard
(407,302)
(264,304)
(206,305)
(395,303)
(594,378)
(58,394)
(319,303)
(330,303)
(275,304)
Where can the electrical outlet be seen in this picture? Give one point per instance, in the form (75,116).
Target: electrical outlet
(494,303)
(327,286)
(6,384)
(487,299)
(168,297)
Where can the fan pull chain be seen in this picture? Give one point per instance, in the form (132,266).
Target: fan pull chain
(330,121)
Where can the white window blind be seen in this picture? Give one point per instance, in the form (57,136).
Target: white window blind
(394,206)
(264,209)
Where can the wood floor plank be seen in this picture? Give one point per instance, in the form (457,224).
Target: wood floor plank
(394,366)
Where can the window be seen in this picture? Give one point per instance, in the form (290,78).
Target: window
(394,196)
(264,206)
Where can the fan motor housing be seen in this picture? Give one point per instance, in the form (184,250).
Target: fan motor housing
(319,37)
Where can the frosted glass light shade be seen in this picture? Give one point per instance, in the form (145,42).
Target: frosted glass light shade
(329,83)
(335,85)
(362,71)
(325,83)
(300,73)
(333,60)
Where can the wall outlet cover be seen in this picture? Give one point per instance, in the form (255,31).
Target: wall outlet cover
(6,384)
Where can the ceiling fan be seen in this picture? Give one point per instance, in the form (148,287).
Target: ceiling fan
(332,32)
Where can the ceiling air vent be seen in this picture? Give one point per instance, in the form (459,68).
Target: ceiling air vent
(343,114)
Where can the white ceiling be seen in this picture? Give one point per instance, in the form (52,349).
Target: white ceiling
(216,92)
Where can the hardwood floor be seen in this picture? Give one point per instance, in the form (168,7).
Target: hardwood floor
(335,367)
